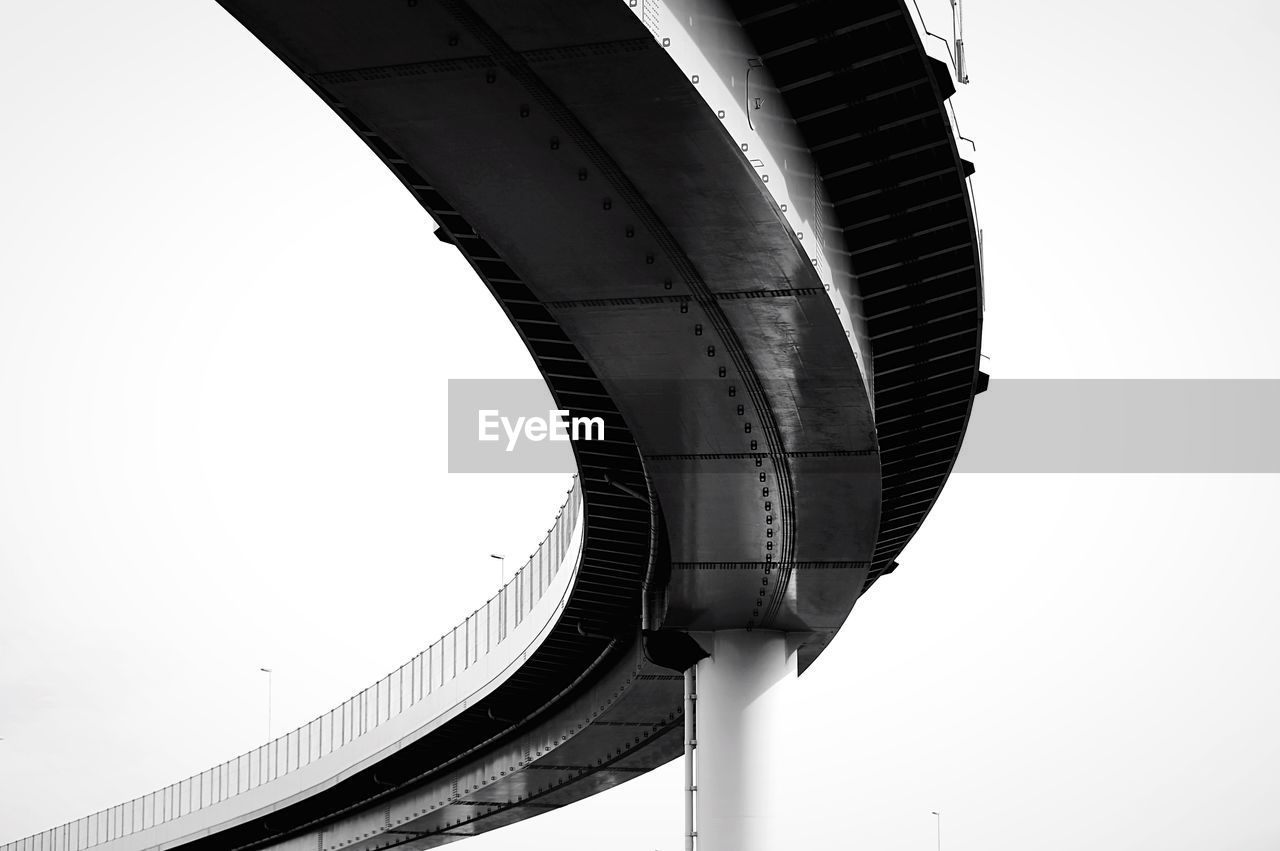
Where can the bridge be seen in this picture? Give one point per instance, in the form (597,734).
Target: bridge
(741,234)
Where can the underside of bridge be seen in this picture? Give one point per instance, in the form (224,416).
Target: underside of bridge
(785,367)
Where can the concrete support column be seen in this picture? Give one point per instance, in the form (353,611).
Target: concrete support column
(742,740)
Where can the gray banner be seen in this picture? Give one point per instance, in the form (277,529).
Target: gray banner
(1124,426)
(1018,426)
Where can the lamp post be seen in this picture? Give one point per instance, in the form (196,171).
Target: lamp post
(502,568)
(267,671)
(939,815)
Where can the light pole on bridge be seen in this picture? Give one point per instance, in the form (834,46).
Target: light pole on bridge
(267,671)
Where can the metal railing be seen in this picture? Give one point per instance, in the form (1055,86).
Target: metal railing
(417,679)
(954,45)
(954,57)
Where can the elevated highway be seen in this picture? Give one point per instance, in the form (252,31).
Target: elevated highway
(741,233)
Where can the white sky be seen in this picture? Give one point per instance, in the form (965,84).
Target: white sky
(225,332)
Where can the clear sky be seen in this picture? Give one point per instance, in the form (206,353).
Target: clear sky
(225,332)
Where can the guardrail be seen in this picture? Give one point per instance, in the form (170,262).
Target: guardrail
(458,650)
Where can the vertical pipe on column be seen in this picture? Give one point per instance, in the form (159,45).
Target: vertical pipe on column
(690,744)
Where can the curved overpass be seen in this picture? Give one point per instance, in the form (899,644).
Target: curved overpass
(739,232)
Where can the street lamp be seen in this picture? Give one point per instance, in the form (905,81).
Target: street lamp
(502,568)
(267,671)
(939,815)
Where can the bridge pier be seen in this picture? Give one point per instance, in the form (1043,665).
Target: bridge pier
(741,740)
